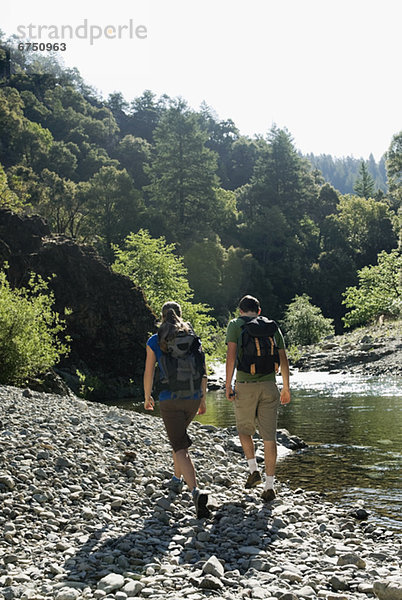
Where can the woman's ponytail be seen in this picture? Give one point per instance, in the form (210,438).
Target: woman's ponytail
(171,324)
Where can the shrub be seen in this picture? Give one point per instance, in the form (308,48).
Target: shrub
(304,323)
(90,385)
(29,330)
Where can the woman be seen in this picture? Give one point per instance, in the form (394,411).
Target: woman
(178,407)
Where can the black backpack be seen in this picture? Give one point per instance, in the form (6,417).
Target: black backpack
(259,351)
(183,364)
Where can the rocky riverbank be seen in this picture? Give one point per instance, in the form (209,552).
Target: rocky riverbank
(86,514)
(375,350)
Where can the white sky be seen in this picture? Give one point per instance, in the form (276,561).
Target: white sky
(328,71)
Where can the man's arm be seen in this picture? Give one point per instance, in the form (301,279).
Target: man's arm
(231,355)
(285,392)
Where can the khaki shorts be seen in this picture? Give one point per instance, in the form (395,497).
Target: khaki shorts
(177,415)
(256,405)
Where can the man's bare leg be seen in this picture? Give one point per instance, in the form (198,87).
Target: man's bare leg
(248,445)
(270,455)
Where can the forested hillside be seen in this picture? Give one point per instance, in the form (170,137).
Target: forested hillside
(246,215)
(343,173)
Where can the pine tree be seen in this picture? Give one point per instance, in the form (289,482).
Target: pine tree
(183,181)
(364,184)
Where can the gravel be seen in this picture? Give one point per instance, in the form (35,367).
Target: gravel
(86,513)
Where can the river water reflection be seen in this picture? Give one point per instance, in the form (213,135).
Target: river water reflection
(353,426)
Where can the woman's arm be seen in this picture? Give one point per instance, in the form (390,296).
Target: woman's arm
(203,404)
(149,372)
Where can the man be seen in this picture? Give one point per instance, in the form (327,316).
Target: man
(256,396)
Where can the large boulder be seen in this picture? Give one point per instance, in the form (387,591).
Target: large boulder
(110,319)
(389,589)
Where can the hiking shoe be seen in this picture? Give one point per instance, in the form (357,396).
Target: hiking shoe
(200,501)
(175,486)
(268,495)
(252,480)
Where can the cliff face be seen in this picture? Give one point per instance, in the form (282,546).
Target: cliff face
(110,320)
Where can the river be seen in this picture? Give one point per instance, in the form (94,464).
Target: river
(353,427)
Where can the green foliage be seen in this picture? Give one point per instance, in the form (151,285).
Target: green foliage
(394,174)
(204,261)
(152,264)
(90,385)
(243,154)
(334,270)
(29,331)
(294,353)
(342,173)
(304,323)
(8,198)
(62,160)
(274,214)
(326,203)
(364,184)
(133,154)
(59,203)
(394,162)
(217,345)
(182,175)
(225,213)
(113,208)
(146,114)
(247,215)
(36,142)
(24,182)
(364,226)
(11,126)
(379,291)
(218,275)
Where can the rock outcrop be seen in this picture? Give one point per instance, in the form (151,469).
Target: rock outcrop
(375,350)
(109,321)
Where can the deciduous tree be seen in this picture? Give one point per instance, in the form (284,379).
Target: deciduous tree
(379,291)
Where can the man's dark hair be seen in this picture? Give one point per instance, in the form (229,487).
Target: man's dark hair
(249,304)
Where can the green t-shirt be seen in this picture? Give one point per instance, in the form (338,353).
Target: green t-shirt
(233,334)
